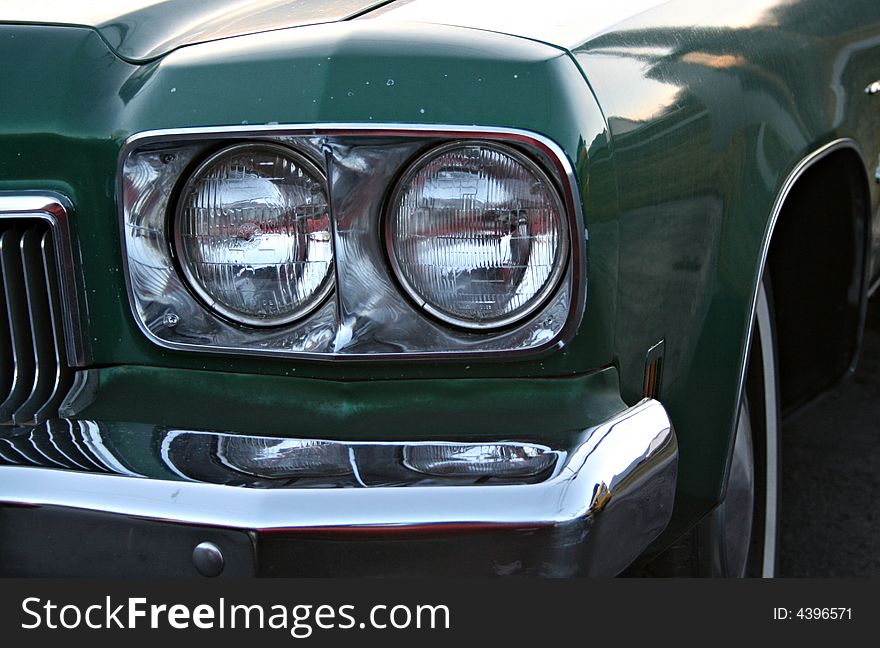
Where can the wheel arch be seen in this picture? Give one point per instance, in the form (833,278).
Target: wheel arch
(847,240)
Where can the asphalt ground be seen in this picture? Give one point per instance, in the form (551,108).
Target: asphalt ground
(830,478)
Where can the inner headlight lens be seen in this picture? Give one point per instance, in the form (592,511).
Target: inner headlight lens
(253,234)
(477,234)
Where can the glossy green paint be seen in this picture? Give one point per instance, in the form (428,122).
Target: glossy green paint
(68,140)
(331,73)
(554,410)
(710,107)
(700,124)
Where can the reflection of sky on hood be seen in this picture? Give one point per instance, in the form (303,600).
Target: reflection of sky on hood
(571,22)
(563,22)
(652,60)
(81,12)
(733,15)
(557,21)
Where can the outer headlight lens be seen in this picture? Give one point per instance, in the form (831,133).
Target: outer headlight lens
(253,234)
(477,234)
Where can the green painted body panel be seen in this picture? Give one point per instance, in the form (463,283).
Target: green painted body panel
(332,73)
(699,126)
(706,122)
(555,410)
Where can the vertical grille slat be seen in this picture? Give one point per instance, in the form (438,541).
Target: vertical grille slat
(63,379)
(7,364)
(32,341)
(19,323)
(45,359)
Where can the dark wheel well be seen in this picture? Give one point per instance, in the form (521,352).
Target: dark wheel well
(817,265)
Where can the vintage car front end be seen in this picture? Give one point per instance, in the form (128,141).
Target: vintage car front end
(330,300)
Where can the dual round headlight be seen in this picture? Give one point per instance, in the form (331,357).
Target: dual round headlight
(476,234)
(253,234)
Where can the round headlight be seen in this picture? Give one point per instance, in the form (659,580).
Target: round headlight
(477,234)
(253,234)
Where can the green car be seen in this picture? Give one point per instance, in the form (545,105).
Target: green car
(358,288)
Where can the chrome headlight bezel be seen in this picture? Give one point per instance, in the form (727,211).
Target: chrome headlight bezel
(367,316)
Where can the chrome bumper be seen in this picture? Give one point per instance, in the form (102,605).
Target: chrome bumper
(612,496)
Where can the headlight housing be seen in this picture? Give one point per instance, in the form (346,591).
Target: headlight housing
(252,234)
(179,304)
(477,234)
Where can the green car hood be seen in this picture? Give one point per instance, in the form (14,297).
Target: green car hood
(141,30)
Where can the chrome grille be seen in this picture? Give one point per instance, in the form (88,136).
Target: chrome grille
(34,373)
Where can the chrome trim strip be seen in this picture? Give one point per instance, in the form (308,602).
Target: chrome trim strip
(778,204)
(771,416)
(562,167)
(55,210)
(617,489)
